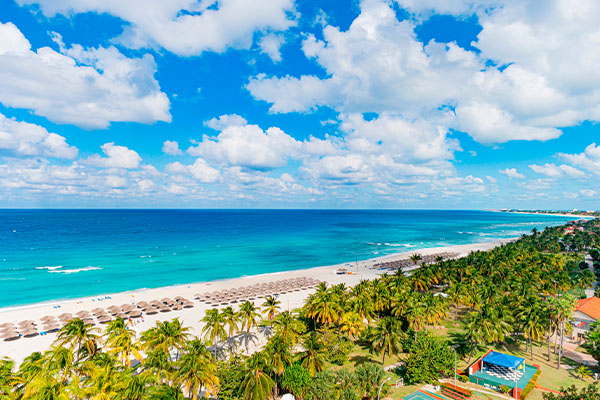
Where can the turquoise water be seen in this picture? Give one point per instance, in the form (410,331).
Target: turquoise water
(58,254)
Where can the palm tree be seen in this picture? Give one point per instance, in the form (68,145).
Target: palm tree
(532,317)
(214,328)
(164,392)
(271,307)
(79,336)
(256,384)
(196,370)
(351,324)
(230,319)
(287,326)
(312,358)
(248,315)
(136,386)
(323,307)
(415,258)
(386,337)
(278,352)
(166,336)
(124,345)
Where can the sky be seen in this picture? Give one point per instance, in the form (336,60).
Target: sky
(469,104)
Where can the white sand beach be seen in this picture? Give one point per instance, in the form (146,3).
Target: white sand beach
(22,347)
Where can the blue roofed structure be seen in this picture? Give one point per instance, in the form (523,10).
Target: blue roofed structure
(503,360)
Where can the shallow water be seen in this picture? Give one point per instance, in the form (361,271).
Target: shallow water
(58,254)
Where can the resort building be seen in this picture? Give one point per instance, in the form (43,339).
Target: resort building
(495,370)
(586,312)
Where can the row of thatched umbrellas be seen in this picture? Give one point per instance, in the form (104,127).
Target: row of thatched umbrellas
(407,262)
(256,291)
(49,323)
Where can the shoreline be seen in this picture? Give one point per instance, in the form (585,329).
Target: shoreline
(387,257)
(570,215)
(23,347)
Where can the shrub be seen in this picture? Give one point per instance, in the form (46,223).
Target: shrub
(322,386)
(464,378)
(370,376)
(430,358)
(297,380)
(504,389)
(527,390)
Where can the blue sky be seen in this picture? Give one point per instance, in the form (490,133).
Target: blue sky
(283,103)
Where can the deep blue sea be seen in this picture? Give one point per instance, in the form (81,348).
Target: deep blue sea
(58,254)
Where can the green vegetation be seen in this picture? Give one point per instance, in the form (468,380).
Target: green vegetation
(514,297)
(572,393)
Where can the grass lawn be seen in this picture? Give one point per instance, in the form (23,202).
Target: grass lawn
(550,377)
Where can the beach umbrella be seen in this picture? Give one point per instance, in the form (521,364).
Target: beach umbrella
(104,319)
(141,304)
(51,328)
(166,300)
(10,336)
(135,314)
(113,307)
(188,305)
(97,310)
(47,317)
(30,333)
(121,315)
(151,311)
(164,309)
(176,307)
(89,322)
(26,322)
(6,325)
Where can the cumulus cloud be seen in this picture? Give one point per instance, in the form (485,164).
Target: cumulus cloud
(512,173)
(542,77)
(247,145)
(589,159)
(116,157)
(270,45)
(87,87)
(225,121)
(184,27)
(171,148)
(25,139)
(200,170)
(557,171)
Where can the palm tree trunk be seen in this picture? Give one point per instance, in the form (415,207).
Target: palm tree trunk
(383,360)
(562,324)
(531,347)
(549,336)
(455,314)
(555,339)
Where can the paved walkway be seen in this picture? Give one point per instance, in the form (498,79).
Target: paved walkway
(581,358)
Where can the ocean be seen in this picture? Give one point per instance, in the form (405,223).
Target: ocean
(60,254)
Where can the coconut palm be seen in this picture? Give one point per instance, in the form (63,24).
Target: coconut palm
(214,328)
(166,336)
(312,358)
(286,325)
(79,336)
(256,383)
(415,258)
(249,316)
(230,320)
(196,370)
(271,307)
(385,338)
(351,324)
(123,344)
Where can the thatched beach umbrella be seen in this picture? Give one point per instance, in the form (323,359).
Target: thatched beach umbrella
(51,328)
(30,333)
(152,311)
(135,314)
(6,325)
(104,319)
(10,336)
(98,310)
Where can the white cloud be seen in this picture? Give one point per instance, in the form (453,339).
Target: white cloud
(200,170)
(588,192)
(270,45)
(512,173)
(171,148)
(116,157)
(546,76)
(557,171)
(589,159)
(248,146)
(184,27)
(225,121)
(25,139)
(87,87)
